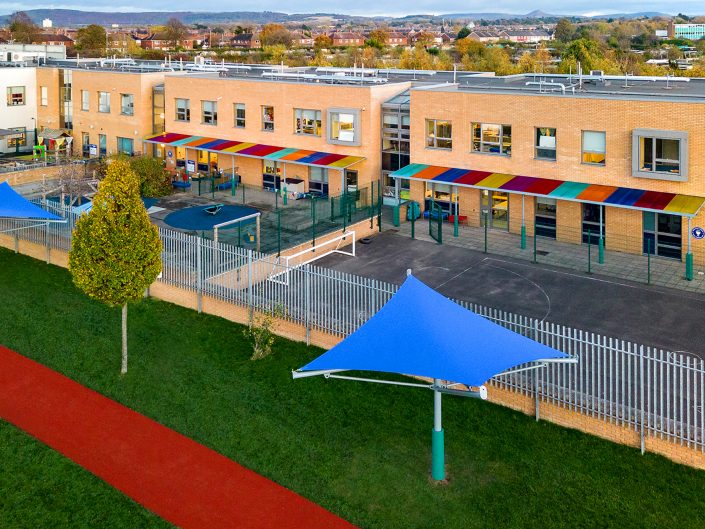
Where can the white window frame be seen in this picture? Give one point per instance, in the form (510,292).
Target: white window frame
(307,121)
(209,117)
(479,149)
(43,96)
(130,106)
(182,113)
(544,143)
(240,122)
(433,140)
(267,120)
(102,108)
(351,137)
(85,100)
(16,96)
(583,150)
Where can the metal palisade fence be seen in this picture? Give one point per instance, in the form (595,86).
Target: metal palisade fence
(655,392)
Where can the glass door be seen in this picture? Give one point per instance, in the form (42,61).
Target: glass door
(663,235)
(593,223)
(545,220)
(494,205)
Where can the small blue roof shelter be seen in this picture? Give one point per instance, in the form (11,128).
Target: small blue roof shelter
(14,206)
(421,333)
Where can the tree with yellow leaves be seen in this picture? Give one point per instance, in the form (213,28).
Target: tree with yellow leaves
(116,250)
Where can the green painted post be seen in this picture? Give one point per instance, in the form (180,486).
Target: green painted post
(243,193)
(485,214)
(279,232)
(379,206)
(648,262)
(455,223)
(239,234)
(534,244)
(232,185)
(589,270)
(601,250)
(438,463)
(285,197)
(412,205)
(276,200)
(523,237)
(313,221)
(689,266)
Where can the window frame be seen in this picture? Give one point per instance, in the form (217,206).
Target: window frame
(131,105)
(268,122)
(583,151)
(185,111)
(100,104)
(538,147)
(12,92)
(239,122)
(300,122)
(433,136)
(657,134)
(213,113)
(357,131)
(85,100)
(503,151)
(43,96)
(13,143)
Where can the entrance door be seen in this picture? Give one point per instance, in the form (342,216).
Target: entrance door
(351,181)
(495,206)
(663,235)
(593,223)
(545,220)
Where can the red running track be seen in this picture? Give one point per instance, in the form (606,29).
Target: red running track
(182,481)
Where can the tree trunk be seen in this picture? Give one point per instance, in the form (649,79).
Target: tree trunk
(123,369)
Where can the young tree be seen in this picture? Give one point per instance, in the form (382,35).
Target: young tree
(22,28)
(322,42)
(564,30)
(274,34)
(175,31)
(116,250)
(92,38)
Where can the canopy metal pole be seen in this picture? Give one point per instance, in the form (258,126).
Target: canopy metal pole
(689,254)
(523,224)
(438,470)
(601,240)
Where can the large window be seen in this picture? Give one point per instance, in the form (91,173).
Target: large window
(545,221)
(594,147)
(183,109)
(102,144)
(86,100)
(545,143)
(660,154)
(43,96)
(439,134)
(593,223)
(126,146)
(494,209)
(19,138)
(267,118)
(209,112)
(492,138)
(239,115)
(15,96)
(103,101)
(343,127)
(318,180)
(127,104)
(307,121)
(663,234)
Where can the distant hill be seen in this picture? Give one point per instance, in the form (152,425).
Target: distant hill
(70,17)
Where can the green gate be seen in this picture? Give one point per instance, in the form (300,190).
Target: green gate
(435,222)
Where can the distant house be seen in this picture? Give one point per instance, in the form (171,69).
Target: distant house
(346,38)
(302,40)
(525,35)
(396,39)
(484,35)
(159,41)
(53,39)
(246,40)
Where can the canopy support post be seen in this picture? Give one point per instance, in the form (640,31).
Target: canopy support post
(689,254)
(438,471)
(523,224)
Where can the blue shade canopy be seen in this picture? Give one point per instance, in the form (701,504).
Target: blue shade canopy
(421,332)
(14,206)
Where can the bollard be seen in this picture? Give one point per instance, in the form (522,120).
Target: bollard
(689,266)
(601,250)
(523,237)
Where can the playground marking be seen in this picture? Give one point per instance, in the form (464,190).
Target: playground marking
(184,482)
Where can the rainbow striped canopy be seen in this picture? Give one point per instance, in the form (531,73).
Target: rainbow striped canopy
(623,197)
(255,150)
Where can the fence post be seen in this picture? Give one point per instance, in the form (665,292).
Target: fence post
(313,221)
(308,306)
(250,299)
(279,232)
(486,217)
(589,270)
(641,399)
(199,275)
(379,206)
(46,242)
(537,401)
(648,262)
(413,220)
(534,244)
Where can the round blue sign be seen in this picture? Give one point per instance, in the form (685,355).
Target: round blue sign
(170,154)
(698,232)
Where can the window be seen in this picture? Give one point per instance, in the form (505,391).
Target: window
(102,144)
(663,234)
(545,143)
(660,154)
(318,180)
(125,145)
(492,138)
(19,138)
(85,100)
(594,147)
(343,127)
(183,110)
(438,134)
(127,104)
(593,223)
(209,112)
(545,222)
(307,121)
(103,102)
(43,96)
(15,96)
(85,143)
(240,115)
(267,118)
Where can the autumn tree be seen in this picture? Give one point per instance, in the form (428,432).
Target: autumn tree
(322,42)
(564,31)
(22,28)
(275,34)
(175,31)
(378,37)
(92,38)
(116,250)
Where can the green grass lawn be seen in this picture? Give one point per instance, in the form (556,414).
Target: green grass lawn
(360,450)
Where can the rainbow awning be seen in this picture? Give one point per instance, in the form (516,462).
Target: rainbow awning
(255,150)
(621,197)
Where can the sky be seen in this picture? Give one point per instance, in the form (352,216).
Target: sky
(374,7)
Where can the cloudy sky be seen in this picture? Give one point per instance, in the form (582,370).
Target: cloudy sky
(374,7)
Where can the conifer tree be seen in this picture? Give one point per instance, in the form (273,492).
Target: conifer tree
(116,250)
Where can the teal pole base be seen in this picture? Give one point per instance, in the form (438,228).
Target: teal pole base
(438,459)
(456,228)
(285,197)
(601,251)
(523,237)
(689,266)
(396,217)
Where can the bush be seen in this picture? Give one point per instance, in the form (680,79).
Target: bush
(261,334)
(154,179)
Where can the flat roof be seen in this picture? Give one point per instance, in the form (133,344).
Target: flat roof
(586,86)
